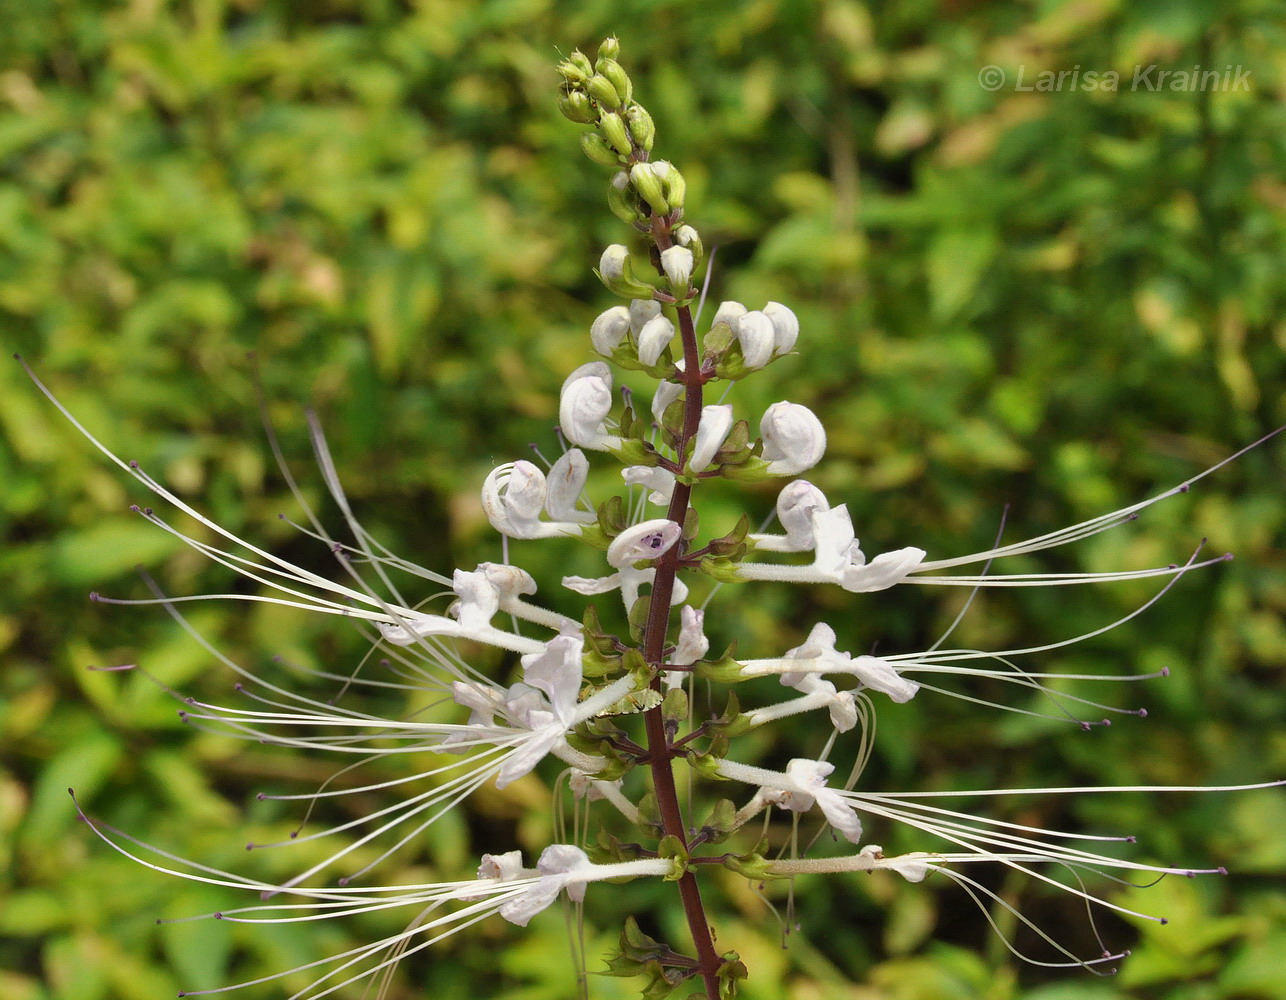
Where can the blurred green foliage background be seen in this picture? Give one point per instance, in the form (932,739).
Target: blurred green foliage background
(1060,301)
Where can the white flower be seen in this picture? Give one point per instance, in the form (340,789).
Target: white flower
(652,477)
(785,328)
(513,496)
(610,329)
(795,506)
(692,644)
(585,402)
(565,484)
(666,393)
(754,332)
(728,313)
(677,263)
(641,311)
(654,338)
(566,867)
(646,540)
(612,264)
(794,439)
(804,785)
(818,655)
(712,431)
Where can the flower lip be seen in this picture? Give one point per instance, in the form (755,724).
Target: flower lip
(646,540)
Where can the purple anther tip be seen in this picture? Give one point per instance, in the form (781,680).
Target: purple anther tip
(343,881)
(1164,921)
(1165,671)
(1107,722)
(281,517)
(1085,727)
(1142,713)
(294,834)
(1228,557)
(190,699)
(133,464)
(1222,870)
(217,915)
(250,847)
(93,595)
(1185,487)
(1131,839)
(17,356)
(238,686)
(135,508)
(261,796)
(1173,566)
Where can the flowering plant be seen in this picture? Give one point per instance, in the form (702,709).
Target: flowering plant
(629,701)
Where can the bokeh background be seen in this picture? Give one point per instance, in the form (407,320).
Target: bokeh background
(1061,301)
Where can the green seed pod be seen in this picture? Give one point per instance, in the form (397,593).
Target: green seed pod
(598,150)
(610,49)
(614,131)
(619,79)
(578,108)
(642,129)
(600,88)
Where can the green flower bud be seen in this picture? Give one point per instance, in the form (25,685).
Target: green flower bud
(573,73)
(581,62)
(641,126)
(648,185)
(623,200)
(615,132)
(676,188)
(599,151)
(753,866)
(619,79)
(686,236)
(577,107)
(600,88)
(610,48)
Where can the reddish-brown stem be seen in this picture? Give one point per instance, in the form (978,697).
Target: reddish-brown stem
(661,753)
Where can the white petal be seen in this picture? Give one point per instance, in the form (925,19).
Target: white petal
(654,338)
(590,586)
(479,600)
(521,909)
(785,327)
(794,439)
(716,423)
(659,481)
(612,263)
(565,483)
(582,408)
(692,644)
(840,814)
(557,672)
(755,332)
(609,329)
(666,393)
(833,540)
(647,540)
(882,572)
(502,866)
(642,310)
(879,675)
(529,753)
(677,263)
